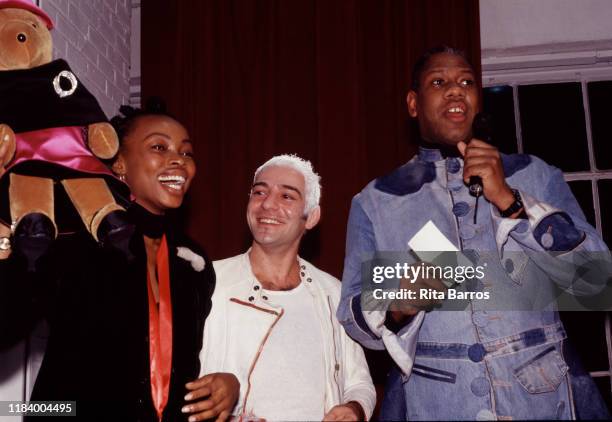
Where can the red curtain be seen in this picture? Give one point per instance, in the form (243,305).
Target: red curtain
(325,79)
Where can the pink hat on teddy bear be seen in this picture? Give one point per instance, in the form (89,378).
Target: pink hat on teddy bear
(29,6)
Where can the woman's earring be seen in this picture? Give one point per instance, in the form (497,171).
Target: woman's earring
(122,177)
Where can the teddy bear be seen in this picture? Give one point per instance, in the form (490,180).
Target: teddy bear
(53,136)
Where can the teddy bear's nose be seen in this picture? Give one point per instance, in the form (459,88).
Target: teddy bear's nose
(21,37)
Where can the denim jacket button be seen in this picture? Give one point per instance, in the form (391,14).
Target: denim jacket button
(480,386)
(461,208)
(453,165)
(476,352)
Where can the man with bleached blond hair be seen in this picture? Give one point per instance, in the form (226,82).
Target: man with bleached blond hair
(273,320)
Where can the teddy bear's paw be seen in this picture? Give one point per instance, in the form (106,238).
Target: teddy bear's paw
(7,145)
(103,140)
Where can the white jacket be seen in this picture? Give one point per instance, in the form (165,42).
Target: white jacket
(241,320)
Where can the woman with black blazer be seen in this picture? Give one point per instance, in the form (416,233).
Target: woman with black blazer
(125,329)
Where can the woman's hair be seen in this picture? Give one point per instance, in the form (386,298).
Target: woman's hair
(123,122)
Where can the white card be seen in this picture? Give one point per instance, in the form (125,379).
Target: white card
(428,243)
(430,239)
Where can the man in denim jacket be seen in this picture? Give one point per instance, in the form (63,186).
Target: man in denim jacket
(485,362)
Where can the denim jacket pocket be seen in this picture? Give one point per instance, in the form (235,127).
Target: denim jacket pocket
(543,373)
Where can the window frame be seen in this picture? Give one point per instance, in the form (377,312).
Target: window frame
(551,69)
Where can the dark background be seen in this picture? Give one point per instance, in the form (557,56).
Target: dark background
(325,79)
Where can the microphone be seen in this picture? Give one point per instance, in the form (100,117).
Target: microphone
(482,128)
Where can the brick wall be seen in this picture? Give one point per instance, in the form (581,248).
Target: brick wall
(94,37)
(135,87)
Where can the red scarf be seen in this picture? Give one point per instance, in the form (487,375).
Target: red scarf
(160,331)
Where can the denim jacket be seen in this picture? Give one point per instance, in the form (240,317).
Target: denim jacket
(478,363)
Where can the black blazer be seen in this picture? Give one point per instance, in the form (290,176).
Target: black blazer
(96,304)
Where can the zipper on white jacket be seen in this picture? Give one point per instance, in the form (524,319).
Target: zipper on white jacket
(334,338)
(261,346)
